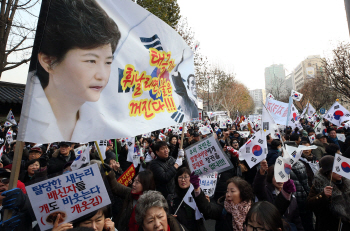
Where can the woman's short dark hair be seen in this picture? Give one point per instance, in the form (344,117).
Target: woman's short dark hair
(243,186)
(179,173)
(74,24)
(147,181)
(275,144)
(172,136)
(30,162)
(266,215)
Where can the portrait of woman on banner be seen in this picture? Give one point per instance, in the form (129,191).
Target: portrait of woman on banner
(70,67)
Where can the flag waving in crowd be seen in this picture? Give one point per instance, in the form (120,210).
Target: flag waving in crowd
(337,114)
(255,150)
(296,95)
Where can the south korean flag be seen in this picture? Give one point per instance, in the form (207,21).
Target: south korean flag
(270,96)
(296,95)
(103,147)
(255,149)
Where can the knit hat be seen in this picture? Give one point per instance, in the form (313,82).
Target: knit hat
(326,164)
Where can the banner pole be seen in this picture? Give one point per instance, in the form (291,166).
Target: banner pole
(100,155)
(16,165)
(182,135)
(116,149)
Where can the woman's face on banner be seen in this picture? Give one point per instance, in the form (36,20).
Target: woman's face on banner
(83,73)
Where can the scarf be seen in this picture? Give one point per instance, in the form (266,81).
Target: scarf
(335,140)
(239,212)
(312,161)
(133,226)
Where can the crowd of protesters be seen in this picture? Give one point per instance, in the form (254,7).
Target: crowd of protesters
(314,198)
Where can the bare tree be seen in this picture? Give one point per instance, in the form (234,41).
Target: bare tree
(278,89)
(338,70)
(16,32)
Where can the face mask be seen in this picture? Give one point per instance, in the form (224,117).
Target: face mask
(67,171)
(326,134)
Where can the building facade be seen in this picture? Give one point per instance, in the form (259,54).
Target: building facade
(259,98)
(309,68)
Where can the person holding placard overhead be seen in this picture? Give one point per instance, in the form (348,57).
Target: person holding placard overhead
(74,57)
(329,198)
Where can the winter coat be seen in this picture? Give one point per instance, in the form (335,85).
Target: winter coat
(185,214)
(272,155)
(122,221)
(328,211)
(38,176)
(265,191)
(164,173)
(57,162)
(214,211)
(320,151)
(173,150)
(341,144)
(310,173)
(300,178)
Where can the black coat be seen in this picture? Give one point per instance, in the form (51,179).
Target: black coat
(264,191)
(57,162)
(214,211)
(271,157)
(185,214)
(164,173)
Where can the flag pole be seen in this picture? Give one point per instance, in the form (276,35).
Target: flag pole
(182,135)
(116,150)
(100,155)
(16,165)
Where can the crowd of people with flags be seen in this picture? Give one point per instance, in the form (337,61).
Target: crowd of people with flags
(282,177)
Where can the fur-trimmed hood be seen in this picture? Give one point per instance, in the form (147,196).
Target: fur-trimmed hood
(340,199)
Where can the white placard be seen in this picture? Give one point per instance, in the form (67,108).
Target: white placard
(208,183)
(206,156)
(72,195)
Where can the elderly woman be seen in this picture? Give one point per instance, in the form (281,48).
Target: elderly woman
(152,213)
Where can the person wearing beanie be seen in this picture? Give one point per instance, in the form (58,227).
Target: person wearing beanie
(329,198)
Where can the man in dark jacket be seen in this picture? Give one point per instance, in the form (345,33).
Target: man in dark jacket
(60,157)
(164,169)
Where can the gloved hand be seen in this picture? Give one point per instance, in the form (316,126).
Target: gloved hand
(289,186)
(179,161)
(11,224)
(14,199)
(181,153)
(107,167)
(194,179)
(232,151)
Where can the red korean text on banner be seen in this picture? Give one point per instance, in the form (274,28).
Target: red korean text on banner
(127,175)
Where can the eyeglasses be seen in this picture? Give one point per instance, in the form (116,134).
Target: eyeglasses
(248,227)
(183,178)
(5,180)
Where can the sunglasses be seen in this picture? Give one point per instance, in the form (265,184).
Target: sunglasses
(5,180)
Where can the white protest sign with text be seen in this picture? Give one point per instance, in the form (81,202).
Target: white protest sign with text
(208,183)
(206,156)
(71,195)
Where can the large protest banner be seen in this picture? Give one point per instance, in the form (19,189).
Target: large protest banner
(206,156)
(71,195)
(105,69)
(279,111)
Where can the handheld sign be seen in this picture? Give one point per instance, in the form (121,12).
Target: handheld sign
(127,175)
(71,195)
(206,156)
(208,183)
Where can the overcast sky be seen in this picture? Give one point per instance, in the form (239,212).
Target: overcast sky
(248,36)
